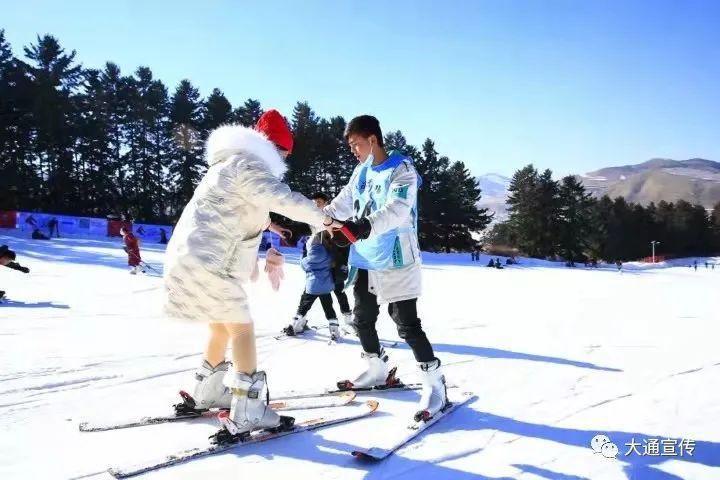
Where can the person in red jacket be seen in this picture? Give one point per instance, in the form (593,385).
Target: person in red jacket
(132,248)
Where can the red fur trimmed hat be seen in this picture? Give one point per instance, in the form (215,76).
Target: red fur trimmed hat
(276,129)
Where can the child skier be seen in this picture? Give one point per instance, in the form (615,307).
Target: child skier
(213,254)
(319,283)
(339,266)
(132,248)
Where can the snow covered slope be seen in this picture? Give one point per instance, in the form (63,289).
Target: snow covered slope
(555,355)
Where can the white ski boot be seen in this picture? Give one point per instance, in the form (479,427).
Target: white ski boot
(334,327)
(298,326)
(377,374)
(434,393)
(249,409)
(133,270)
(209,392)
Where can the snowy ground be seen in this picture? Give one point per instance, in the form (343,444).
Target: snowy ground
(555,355)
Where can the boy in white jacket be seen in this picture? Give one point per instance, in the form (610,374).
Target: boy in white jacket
(379,209)
(213,254)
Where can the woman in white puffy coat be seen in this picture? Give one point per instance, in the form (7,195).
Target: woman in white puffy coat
(213,254)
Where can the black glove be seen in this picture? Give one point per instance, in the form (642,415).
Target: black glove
(360,229)
(18,267)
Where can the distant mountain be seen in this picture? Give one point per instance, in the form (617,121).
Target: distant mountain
(696,180)
(494,194)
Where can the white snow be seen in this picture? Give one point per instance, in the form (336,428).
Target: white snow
(555,356)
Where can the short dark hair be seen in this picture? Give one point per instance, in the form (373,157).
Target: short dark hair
(364,125)
(321,196)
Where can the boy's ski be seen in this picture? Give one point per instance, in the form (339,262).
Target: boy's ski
(337,400)
(373,390)
(355,413)
(413,430)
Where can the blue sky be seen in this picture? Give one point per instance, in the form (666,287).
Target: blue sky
(568,85)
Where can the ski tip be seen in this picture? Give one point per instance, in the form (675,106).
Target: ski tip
(373,405)
(348,395)
(363,456)
(83,427)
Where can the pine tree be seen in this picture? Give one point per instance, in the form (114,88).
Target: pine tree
(53,75)
(343,162)
(218,111)
(187,164)
(461,217)
(431,167)
(97,173)
(396,141)
(302,174)
(715,228)
(575,218)
(152,140)
(523,208)
(548,215)
(248,114)
(19,183)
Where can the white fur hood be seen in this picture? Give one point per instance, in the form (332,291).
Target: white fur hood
(234,139)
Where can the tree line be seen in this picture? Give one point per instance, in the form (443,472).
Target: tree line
(86,141)
(560,220)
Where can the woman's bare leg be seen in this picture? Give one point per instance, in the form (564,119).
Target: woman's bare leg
(217,344)
(244,351)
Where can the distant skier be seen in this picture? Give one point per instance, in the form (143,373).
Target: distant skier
(132,248)
(317,265)
(619,265)
(491,263)
(31,222)
(212,254)
(695,264)
(38,235)
(53,227)
(379,208)
(7,259)
(163,237)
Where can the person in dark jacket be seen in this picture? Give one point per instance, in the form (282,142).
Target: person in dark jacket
(7,259)
(319,282)
(53,226)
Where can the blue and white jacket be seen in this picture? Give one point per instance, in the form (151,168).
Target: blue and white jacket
(386,195)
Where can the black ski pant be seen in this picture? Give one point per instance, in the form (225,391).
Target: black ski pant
(307,300)
(342,298)
(403,313)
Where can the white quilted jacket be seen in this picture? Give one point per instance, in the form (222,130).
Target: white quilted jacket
(213,249)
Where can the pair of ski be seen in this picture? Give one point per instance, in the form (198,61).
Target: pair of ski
(351,413)
(290,401)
